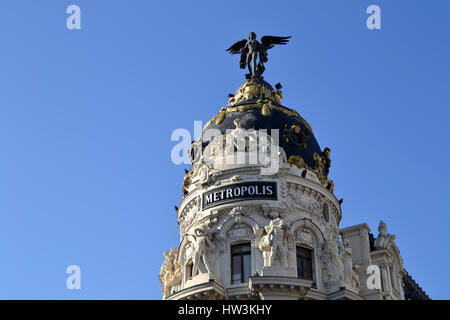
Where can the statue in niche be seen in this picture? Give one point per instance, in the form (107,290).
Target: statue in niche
(170,272)
(273,244)
(384,238)
(202,243)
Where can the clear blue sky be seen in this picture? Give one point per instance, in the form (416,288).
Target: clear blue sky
(86,117)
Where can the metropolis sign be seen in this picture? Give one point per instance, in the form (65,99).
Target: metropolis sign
(240,191)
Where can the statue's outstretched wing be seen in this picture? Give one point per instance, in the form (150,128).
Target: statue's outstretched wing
(268,42)
(239,47)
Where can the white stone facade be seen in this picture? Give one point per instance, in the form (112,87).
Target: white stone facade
(305,214)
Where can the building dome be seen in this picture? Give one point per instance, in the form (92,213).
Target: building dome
(250,232)
(256,105)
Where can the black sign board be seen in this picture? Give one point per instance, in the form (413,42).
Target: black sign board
(240,191)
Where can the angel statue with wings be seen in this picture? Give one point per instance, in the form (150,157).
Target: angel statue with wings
(251,48)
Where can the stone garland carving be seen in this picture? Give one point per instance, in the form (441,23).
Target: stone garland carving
(236,211)
(271,212)
(303,198)
(239,232)
(272,241)
(305,236)
(170,272)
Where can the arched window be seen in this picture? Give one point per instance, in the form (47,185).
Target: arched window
(240,262)
(304,263)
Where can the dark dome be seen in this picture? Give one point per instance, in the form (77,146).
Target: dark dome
(257,106)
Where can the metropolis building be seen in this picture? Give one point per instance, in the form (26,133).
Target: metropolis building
(259,219)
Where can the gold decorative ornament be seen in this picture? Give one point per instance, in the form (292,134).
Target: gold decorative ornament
(298,161)
(269,106)
(318,163)
(278,96)
(186,183)
(251,90)
(295,136)
(221,116)
(265,110)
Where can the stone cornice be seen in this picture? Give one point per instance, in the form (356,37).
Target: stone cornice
(208,290)
(355,229)
(279,286)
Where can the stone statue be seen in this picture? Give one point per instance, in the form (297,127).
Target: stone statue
(355,277)
(345,253)
(384,238)
(274,243)
(333,265)
(202,243)
(170,272)
(251,49)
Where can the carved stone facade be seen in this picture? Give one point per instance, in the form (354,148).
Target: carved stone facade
(291,246)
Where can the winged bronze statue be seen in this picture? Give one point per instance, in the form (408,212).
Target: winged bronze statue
(250,50)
